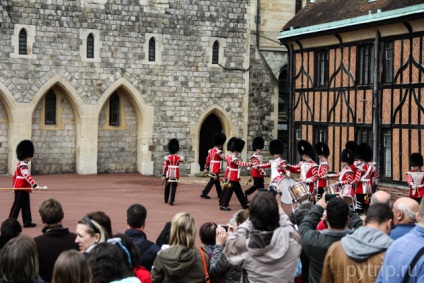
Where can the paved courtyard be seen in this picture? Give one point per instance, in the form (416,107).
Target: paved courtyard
(113,193)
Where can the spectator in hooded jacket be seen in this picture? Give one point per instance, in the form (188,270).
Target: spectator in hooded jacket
(358,256)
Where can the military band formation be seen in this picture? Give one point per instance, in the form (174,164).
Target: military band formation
(356,182)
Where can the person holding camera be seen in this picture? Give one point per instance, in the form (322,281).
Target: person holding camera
(340,222)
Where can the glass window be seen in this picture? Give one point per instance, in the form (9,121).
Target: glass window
(321,67)
(388,62)
(152,50)
(50,108)
(114,110)
(23,42)
(215,53)
(90,46)
(387,154)
(365,64)
(283,94)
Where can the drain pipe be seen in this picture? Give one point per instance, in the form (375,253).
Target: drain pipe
(258,21)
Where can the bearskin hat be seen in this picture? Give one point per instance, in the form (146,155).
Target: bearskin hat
(352,146)
(230,141)
(24,150)
(276,147)
(237,145)
(304,147)
(322,149)
(347,156)
(416,159)
(257,143)
(219,139)
(173,146)
(365,152)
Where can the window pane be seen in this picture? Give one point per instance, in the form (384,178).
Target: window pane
(152,50)
(215,53)
(387,158)
(114,110)
(23,42)
(50,108)
(90,46)
(388,63)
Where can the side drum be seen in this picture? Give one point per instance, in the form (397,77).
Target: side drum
(299,192)
(348,194)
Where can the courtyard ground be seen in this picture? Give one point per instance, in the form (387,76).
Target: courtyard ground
(113,194)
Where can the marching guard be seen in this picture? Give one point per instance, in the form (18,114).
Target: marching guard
(323,152)
(277,165)
(258,174)
(171,170)
(213,166)
(415,177)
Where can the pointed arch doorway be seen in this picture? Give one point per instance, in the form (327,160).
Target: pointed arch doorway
(211,126)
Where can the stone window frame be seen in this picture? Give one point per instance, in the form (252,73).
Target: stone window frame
(122,119)
(84,33)
(50,108)
(114,110)
(30,32)
(158,48)
(222,45)
(59,111)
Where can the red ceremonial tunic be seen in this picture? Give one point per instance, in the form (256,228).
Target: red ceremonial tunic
(22,177)
(415,177)
(278,167)
(233,164)
(214,160)
(171,166)
(322,173)
(345,176)
(363,178)
(308,172)
(257,159)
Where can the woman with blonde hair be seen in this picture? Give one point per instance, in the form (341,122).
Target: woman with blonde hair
(181,262)
(71,267)
(89,234)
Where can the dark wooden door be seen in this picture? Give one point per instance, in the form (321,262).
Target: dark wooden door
(210,127)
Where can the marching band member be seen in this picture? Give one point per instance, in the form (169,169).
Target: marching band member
(363,176)
(171,170)
(415,177)
(353,147)
(277,165)
(22,179)
(346,175)
(257,173)
(307,168)
(213,165)
(233,164)
(323,152)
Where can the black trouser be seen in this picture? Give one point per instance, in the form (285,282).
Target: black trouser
(320,193)
(217,183)
(258,183)
(360,203)
(233,186)
(21,202)
(173,191)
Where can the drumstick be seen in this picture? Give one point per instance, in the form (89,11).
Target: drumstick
(21,189)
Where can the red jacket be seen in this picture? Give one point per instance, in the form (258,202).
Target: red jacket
(363,178)
(233,167)
(214,160)
(322,173)
(415,178)
(256,159)
(308,172)
(345,176)
(22,177)
(171,166)
(278,167)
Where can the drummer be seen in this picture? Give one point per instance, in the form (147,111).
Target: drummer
(346,175)
(307,168)
(277,164)
(323,152)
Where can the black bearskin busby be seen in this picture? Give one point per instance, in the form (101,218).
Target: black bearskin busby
(322,149)
(219,139)
(353,147)
(230,141)
(416,159)
(24,150)
(237,145)
(173,146)
(257,143)
(304,147)
(276,147)
(364,152)
(347,156)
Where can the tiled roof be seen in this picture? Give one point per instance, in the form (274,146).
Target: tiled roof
(326,11)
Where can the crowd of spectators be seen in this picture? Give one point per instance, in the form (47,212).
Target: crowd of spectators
(325,242)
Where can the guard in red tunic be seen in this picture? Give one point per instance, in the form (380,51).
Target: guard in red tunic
(415,177)
(213,165)
(353,147)
(233,164)
(171,170)
(346,175)
(307,168)
(22,179)
(277,165)
(323,152)
(257,173)
(362,181)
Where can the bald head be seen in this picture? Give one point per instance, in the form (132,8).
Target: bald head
(380,197)
(405,210)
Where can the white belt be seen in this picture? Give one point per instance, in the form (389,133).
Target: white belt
(19,177)
(365,180)
(233,169)
(173,166)
(215,161)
